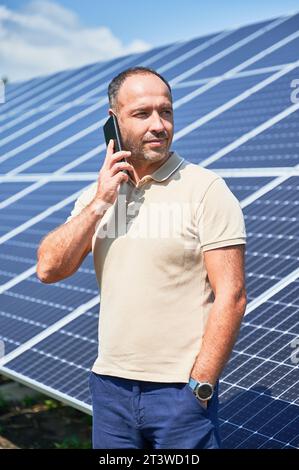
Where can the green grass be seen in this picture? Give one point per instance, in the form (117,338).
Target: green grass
(51,404)
(73,443)
(28,401)
(4,405)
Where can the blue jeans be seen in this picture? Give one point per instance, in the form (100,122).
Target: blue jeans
(136,414)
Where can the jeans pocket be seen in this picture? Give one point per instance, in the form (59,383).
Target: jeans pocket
(196,400)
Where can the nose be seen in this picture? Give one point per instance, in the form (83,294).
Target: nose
(156,123)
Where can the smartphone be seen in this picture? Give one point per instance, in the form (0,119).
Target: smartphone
(111,131)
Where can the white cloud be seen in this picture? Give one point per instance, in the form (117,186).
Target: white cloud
(46,37)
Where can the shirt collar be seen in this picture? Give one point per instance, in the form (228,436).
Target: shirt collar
(173,162)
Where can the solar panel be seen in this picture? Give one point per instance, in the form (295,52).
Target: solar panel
(263,42)
(261,380)
(234,115)
(272,229)
(243,187)
(59,352)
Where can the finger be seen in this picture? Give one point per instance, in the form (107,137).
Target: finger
(117,167)
(122,177)
(109,152)
(117,156)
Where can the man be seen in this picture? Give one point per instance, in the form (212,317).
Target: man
(171,300)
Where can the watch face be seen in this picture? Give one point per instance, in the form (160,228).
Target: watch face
(204,391)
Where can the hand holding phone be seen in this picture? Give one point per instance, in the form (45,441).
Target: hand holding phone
(111,131)
(115,169)
(112,174)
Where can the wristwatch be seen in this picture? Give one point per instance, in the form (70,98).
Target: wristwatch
(202,390)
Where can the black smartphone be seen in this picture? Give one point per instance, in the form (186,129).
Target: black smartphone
(111,131)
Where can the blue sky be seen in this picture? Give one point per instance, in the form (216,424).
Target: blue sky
(163,21)
(108,28)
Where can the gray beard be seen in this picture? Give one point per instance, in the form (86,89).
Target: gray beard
(138,156)
(153,157)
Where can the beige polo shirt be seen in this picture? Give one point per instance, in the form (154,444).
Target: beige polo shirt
(148,258)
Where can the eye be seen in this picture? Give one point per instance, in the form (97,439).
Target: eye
(141,114)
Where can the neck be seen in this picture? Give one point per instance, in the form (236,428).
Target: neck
(146,167)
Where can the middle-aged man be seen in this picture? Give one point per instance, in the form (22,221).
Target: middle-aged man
(167,239)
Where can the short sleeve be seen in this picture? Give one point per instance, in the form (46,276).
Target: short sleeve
(83,200)
(220,219)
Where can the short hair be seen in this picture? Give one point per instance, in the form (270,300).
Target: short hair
(116,82)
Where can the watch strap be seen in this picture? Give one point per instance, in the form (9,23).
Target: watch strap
(193,383)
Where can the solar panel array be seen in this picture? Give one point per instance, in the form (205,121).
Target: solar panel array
(233,114)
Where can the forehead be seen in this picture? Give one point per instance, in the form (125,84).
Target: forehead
(139,88)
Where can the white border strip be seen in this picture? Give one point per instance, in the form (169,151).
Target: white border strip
(235,47)
(50,151)
(272,291)
(17,279)
(42,215)
(54,129)
(34,177)
(251,134)
(52,392)
(92,175)
(232,72)
(229,104)
(245,73)
(46,179)
(265,189)
(196,50)
(50,330)
(256,172)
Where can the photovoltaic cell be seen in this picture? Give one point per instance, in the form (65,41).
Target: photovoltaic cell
(69,353)
(249,50)
(243,187)
(232,124)
(261,383)
(272,230)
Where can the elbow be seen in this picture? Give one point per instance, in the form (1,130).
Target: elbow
(44,272)
(241,301)
(235,300)
(47,274)
(43,275)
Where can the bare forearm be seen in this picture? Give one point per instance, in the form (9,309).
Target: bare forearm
(62,251)
(220,335)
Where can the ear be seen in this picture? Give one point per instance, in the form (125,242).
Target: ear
(111,112)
